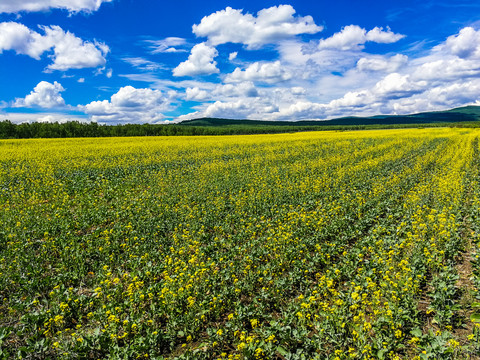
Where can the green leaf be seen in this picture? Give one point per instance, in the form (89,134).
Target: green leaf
(381,354)
(475,317)
(416,332)
(282,351)
(475,305)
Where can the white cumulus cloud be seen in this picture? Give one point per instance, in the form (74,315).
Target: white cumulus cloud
(382,63)
(447,70)
(301,110)
(466,44)
(269,26)
(14,6)
(131,105)
(262,72)
(200,62)
(44,95)
(22,40)
(396,85)
(380,36)
(244,90)
(196,94)
(69,51)
(243,108)
(353,37)
(221,92)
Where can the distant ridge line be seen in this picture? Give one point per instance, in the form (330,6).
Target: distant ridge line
(462,114)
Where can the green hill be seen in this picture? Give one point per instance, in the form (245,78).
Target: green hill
(462,114)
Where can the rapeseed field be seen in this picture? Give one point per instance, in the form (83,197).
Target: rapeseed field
(319,245)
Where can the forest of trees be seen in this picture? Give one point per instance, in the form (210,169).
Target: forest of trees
(9,130)
(75,129)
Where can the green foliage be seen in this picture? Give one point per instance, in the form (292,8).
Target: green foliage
(461,117)
(317,245)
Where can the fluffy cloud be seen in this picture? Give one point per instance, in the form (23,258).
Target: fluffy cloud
(44,95)
(244,101)
(453,95)
(312,62)
(353,37)
(394,94)
(222,91)
(200,62)
(13,6)
(457,59)
(352,99)
(447,70)
(438,98)
(196,94)
(69,51)
(244,89)
(465,44)
(244,108)
(130,105)
(377,99)
(262,72)
(378,35)
(269,26)
(395,86)
(17,37)
(298,90)
(301,110)
(381,63)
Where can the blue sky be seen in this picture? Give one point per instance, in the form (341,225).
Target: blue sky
(138,61)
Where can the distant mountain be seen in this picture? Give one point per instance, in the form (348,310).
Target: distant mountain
(472,110)
(461,114)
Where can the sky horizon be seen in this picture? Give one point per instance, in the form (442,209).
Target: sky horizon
(138,61)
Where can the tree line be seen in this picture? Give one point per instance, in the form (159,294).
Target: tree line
(75,129)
